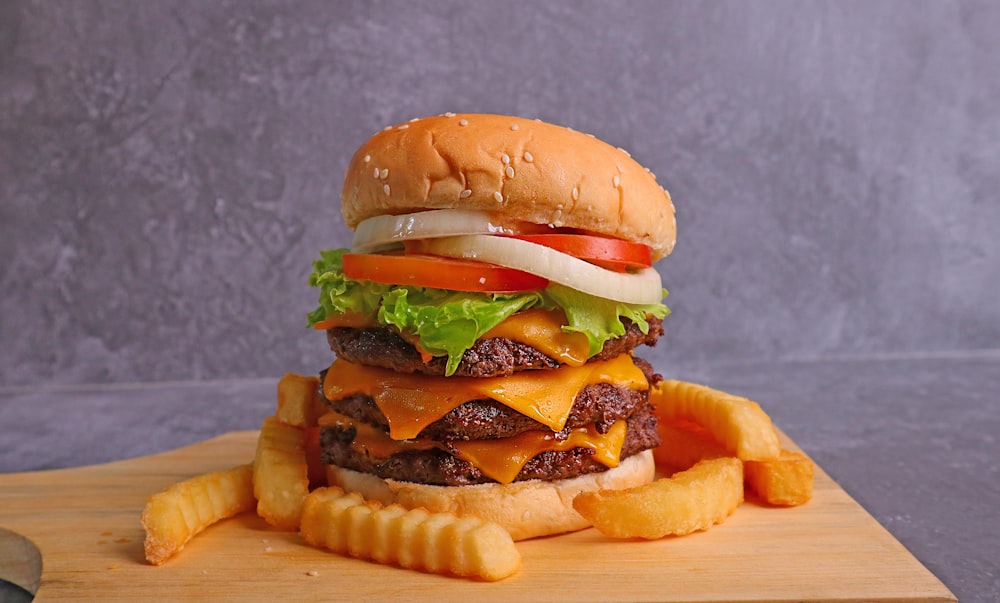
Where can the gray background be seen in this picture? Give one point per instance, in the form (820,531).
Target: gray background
(168,170)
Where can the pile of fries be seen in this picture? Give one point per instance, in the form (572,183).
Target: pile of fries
(716,447)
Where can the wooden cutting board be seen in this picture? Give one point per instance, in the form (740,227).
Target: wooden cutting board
(85,521)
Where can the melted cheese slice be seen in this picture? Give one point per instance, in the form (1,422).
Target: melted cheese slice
(354,320)
(539,328)
(503,459)
(500,459)
(371,441)
(542,330)
(412,402)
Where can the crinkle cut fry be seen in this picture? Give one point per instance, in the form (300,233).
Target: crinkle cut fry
(440,543)
(280,474)
(299,403)
(174,516)
(738,423)
(690,501)
(786,481)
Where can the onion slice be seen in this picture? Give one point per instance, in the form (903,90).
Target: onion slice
(381,232)
(642,287)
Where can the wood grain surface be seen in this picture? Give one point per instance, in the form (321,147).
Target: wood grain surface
(85,521)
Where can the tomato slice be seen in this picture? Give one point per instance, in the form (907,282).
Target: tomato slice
(421,270)
(613,254)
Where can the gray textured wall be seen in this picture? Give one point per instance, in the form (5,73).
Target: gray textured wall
(168,170)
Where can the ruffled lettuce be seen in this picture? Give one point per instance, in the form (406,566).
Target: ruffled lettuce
(447,323)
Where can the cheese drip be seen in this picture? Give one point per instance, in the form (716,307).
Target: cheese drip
(542,330)
(503,459)
(500,459)
(412,402)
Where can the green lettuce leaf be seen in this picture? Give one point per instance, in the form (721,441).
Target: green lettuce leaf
(340,294)
(599,318)
(447,323)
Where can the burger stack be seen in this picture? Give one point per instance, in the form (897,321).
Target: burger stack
(485,318)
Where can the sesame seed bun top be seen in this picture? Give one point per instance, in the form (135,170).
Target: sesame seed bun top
(522,169)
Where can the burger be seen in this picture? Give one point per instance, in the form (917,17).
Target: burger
(485,318)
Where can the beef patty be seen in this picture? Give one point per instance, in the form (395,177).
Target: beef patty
(600,404)
(384,347)
(438,467)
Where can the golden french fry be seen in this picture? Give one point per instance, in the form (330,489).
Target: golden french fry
(691,500)
(280,474)
(684,444)
(785,481)
(298,400)
(737,423)
(174,516)
(440,543)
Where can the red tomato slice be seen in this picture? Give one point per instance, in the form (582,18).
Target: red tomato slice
(439,273)
(613,254)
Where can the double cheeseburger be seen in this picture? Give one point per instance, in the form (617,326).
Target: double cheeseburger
(485,317)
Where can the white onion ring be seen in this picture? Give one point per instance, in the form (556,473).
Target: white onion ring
(381,232)
(642,287)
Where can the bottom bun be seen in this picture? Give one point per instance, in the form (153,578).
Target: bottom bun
(526,509)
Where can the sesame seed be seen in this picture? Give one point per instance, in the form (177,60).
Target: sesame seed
(465,194)
(509,171)
(505,158)
(387,128)
(312,573)
(449,114)
(376,173)
(576,194)
(463,122)
(386,189)
(528,157)
(624,151)
(498,197)
(403,127)
(368,158)
(616,181)
(514,126)
(268,549)
(414,119)
(384,173)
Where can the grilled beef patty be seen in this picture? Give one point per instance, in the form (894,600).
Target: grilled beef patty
(601,404)
(438,467)
(384,347)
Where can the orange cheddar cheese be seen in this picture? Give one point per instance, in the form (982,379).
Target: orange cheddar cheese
(412,402)
(542,330)
(500,459)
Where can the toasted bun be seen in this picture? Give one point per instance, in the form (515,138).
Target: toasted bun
(526,169)
(525,509)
